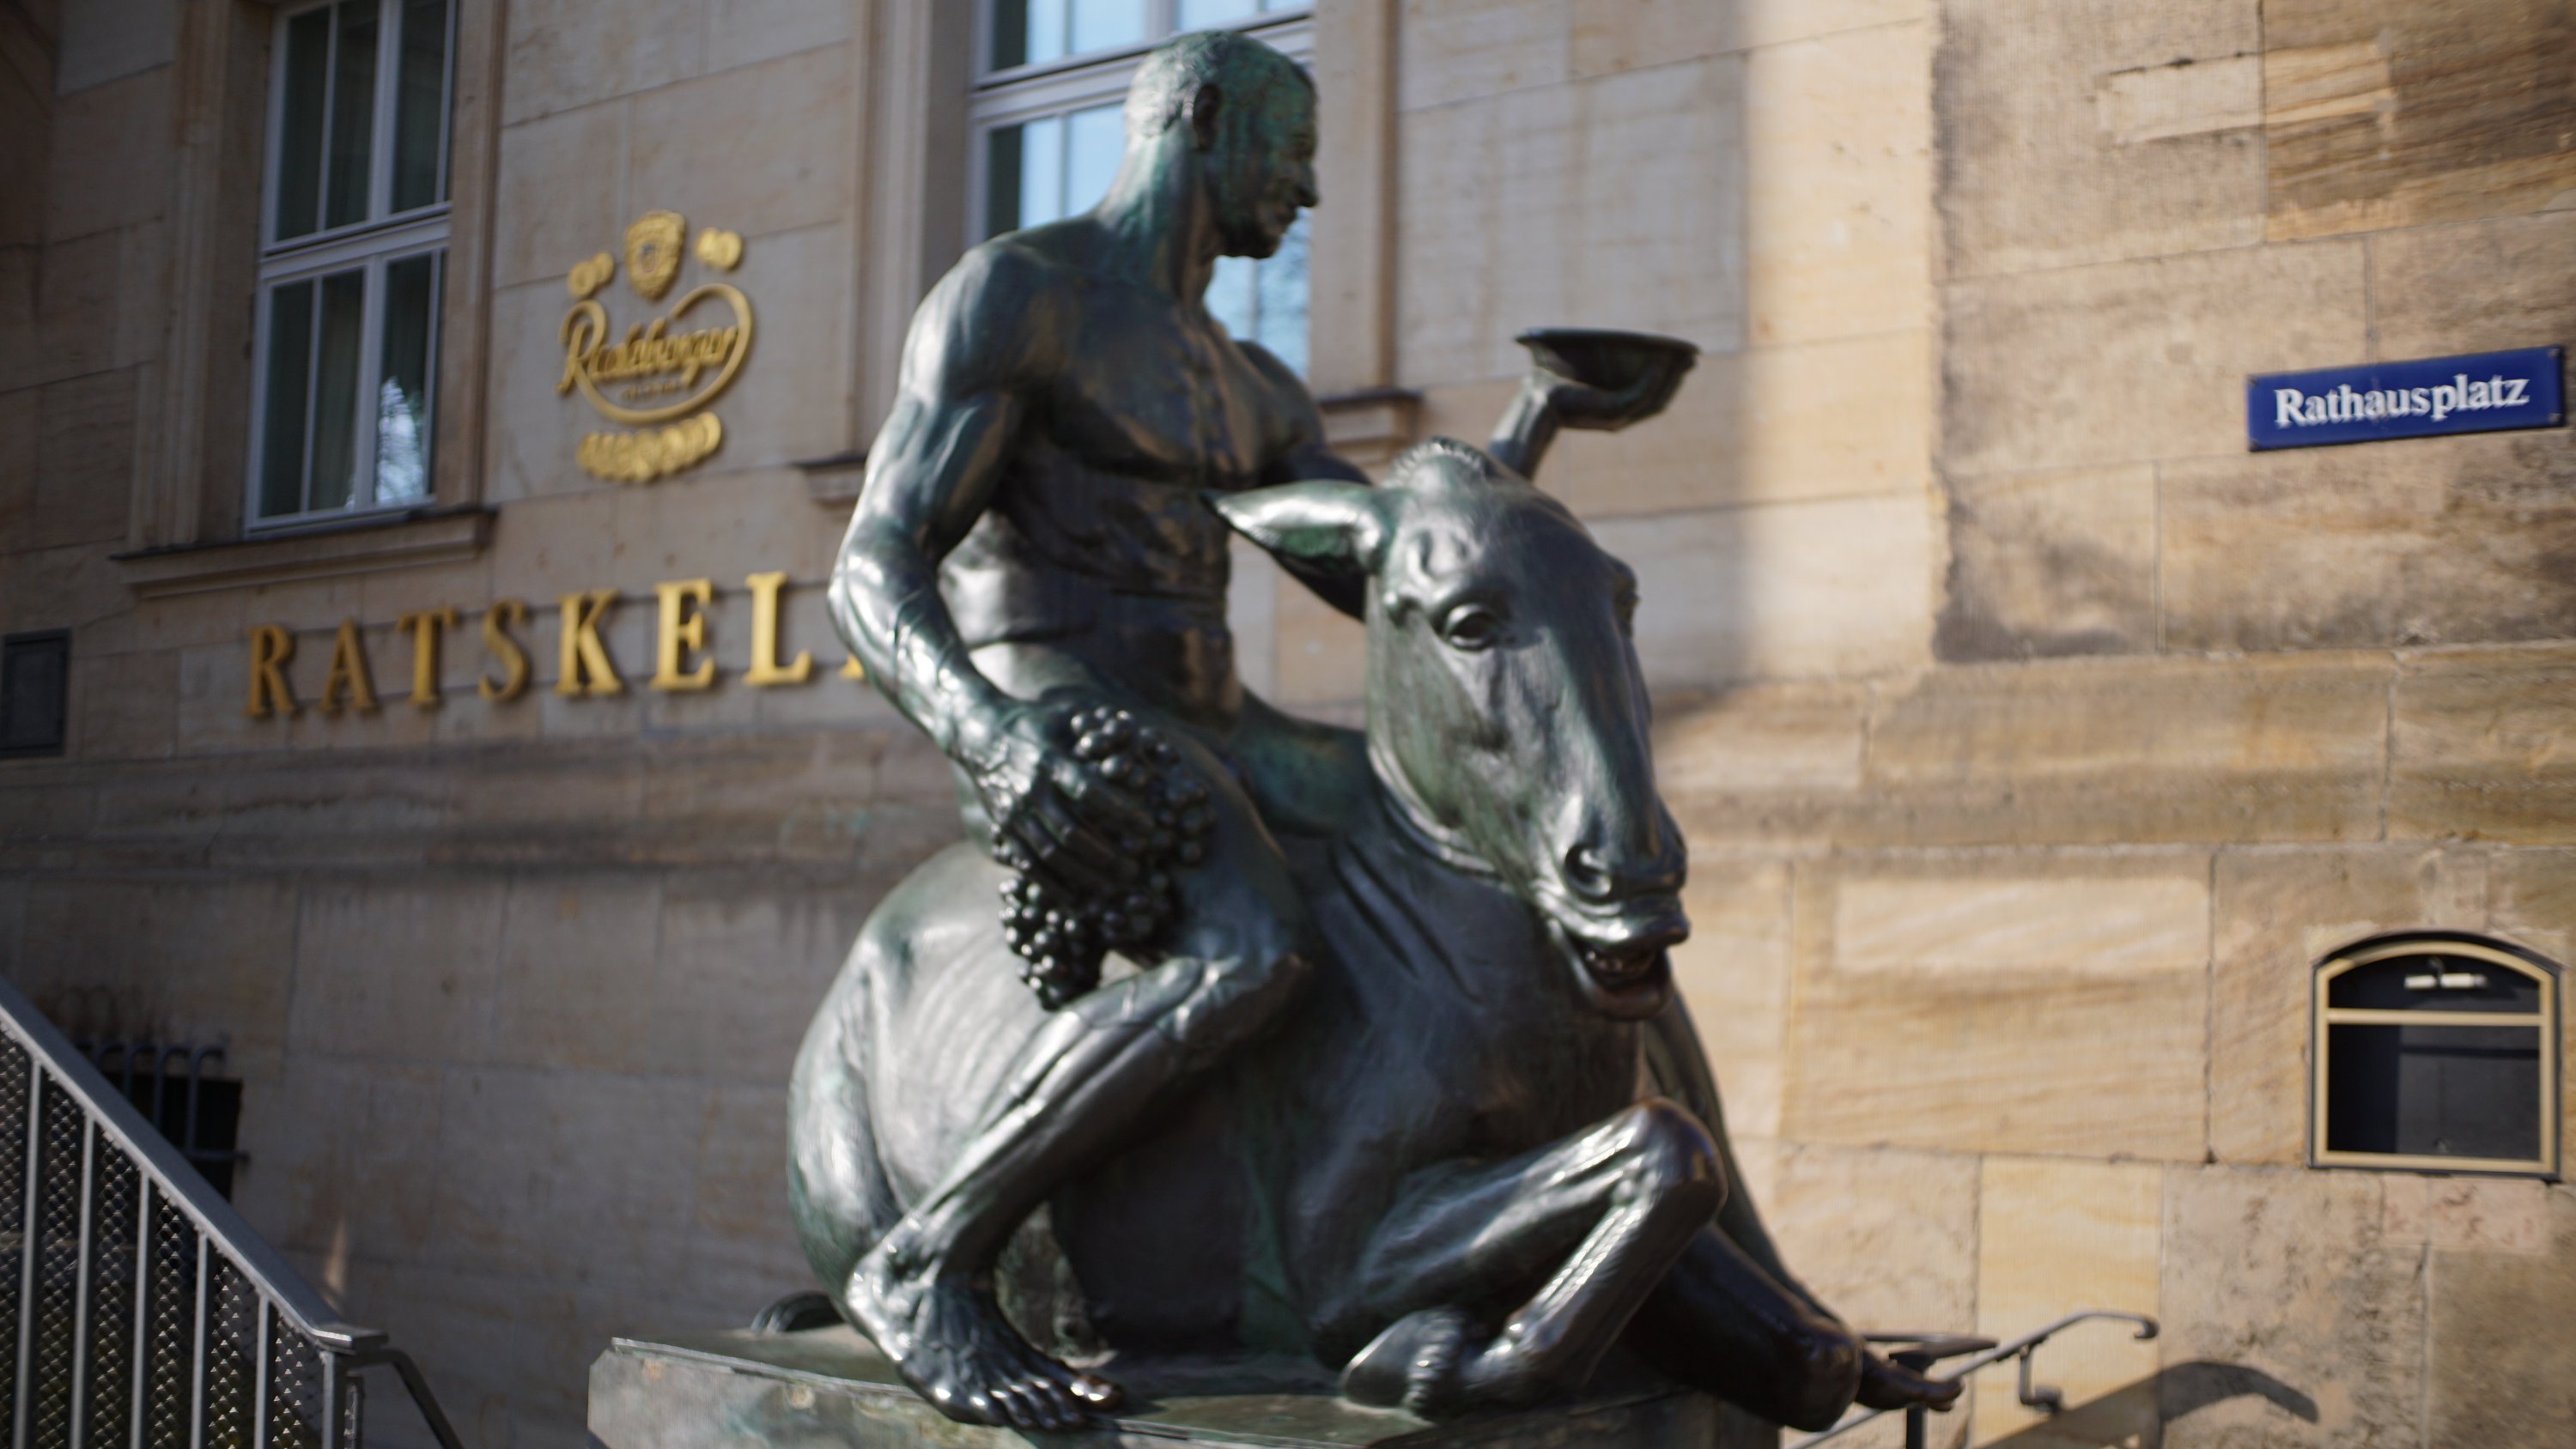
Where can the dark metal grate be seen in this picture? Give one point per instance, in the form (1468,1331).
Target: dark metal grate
(232,1337)
(13,1211)
(173,1342)
(57,1285)
(294,1392)
(115,1212)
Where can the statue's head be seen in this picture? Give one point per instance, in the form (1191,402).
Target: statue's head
(1246,114)
(1507,715)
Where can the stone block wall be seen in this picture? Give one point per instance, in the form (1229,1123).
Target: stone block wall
(2033,739)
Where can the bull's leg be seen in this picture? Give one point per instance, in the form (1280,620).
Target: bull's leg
(1609,1211)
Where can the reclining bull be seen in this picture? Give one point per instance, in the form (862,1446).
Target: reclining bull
(1448,1168)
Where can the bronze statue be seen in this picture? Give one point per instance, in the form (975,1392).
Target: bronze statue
(1373,1081)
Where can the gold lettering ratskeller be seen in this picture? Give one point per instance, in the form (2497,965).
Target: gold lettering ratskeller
(683,628)
(684,656)
(585,665)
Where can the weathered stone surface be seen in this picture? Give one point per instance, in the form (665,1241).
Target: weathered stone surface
(2447,111)
(1734,975)
(345,1159)
(742,32)
(83,462)
(563,53)
(1766,766)
(1463,50)
(1887,1238)
(396,970)
(561,174)
(2055,1236)
(124,706)
(686,153)
(1996,1061)
(105,39)
(1838,185)
(2090,132)
(741,966)
(2474,287)
(1840,587)
(2284,748)
(572,951)
(2279,913)
(826,1386)
(2050,564)
(2428,541)
(118,935)
(110,155)
(2477,746)
(1632,34)
(2313,1325)
(2130,361)
(2480,1216)
(1614,173)
(2500,1326)
(2084,914)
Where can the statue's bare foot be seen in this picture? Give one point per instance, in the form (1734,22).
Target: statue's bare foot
(952,1345)
(1885,1385)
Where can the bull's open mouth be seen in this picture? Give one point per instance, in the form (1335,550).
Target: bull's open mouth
(1629,956)
(1618,967)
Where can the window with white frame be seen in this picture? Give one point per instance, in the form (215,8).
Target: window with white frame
(353,247)
(1050,126)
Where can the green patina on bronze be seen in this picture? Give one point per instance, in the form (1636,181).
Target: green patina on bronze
(1387,1074)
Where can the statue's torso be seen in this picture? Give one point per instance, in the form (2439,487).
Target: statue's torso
(1096,540)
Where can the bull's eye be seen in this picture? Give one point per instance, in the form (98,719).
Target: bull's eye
(1471,627)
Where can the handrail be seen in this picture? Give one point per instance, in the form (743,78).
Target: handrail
(133,1298)
(2022,1348)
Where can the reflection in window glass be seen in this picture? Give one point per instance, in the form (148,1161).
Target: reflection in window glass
(353,113)
(1101,24)
(1199,14)
(1050,168)
(305,75)
(335,391)
(1094,140)
(420,105)
(402,411)
(290,374)
(1265,301)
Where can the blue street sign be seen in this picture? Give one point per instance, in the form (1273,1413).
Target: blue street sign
(2482,392)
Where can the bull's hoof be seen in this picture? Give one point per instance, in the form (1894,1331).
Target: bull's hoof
(1413,1365)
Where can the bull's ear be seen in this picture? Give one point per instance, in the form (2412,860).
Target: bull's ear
(1331,526)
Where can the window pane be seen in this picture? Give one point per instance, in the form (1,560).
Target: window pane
(1199,14)
(290,355)
(420,106)
(1093,141)
(1002,180)
(353,113)
(1280,285)
(335,389)
(1100,24)
(1041,178)
(2434,1091)
(1233,299)
(402,405)
(1027,32)
(299,136)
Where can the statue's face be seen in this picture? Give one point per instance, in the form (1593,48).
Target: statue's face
(1261,169)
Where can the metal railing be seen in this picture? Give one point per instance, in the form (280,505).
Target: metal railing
(1980,1353)
(136,1307)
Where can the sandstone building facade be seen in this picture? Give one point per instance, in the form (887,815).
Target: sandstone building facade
(2036,741)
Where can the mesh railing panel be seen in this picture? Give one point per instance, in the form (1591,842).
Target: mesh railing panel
(172,1345)
(114,1215)
(232,1343)
(57,1285)
(294,1391)
(13,1213)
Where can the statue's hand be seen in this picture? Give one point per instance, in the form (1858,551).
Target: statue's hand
(1055,814)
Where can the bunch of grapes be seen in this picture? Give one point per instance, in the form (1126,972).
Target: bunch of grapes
(1063,931)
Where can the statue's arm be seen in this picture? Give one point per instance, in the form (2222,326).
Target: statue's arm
(1305,457)
(931,474)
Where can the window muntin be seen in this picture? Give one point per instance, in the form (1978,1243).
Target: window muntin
(353,259)
(2436,1053)
(1050,128)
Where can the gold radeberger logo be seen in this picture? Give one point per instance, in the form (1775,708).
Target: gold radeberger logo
(661,376)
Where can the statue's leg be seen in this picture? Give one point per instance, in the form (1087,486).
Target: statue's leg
(1088,1082)
(1599,1218)
(1719,1323)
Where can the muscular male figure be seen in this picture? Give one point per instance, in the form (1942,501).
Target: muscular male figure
(1030,544)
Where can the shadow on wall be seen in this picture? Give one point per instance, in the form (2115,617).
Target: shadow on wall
(2164,1396)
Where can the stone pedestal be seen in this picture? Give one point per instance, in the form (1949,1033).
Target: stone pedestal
(828,1387)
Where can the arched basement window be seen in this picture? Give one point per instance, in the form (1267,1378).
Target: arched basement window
(2436,1053)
